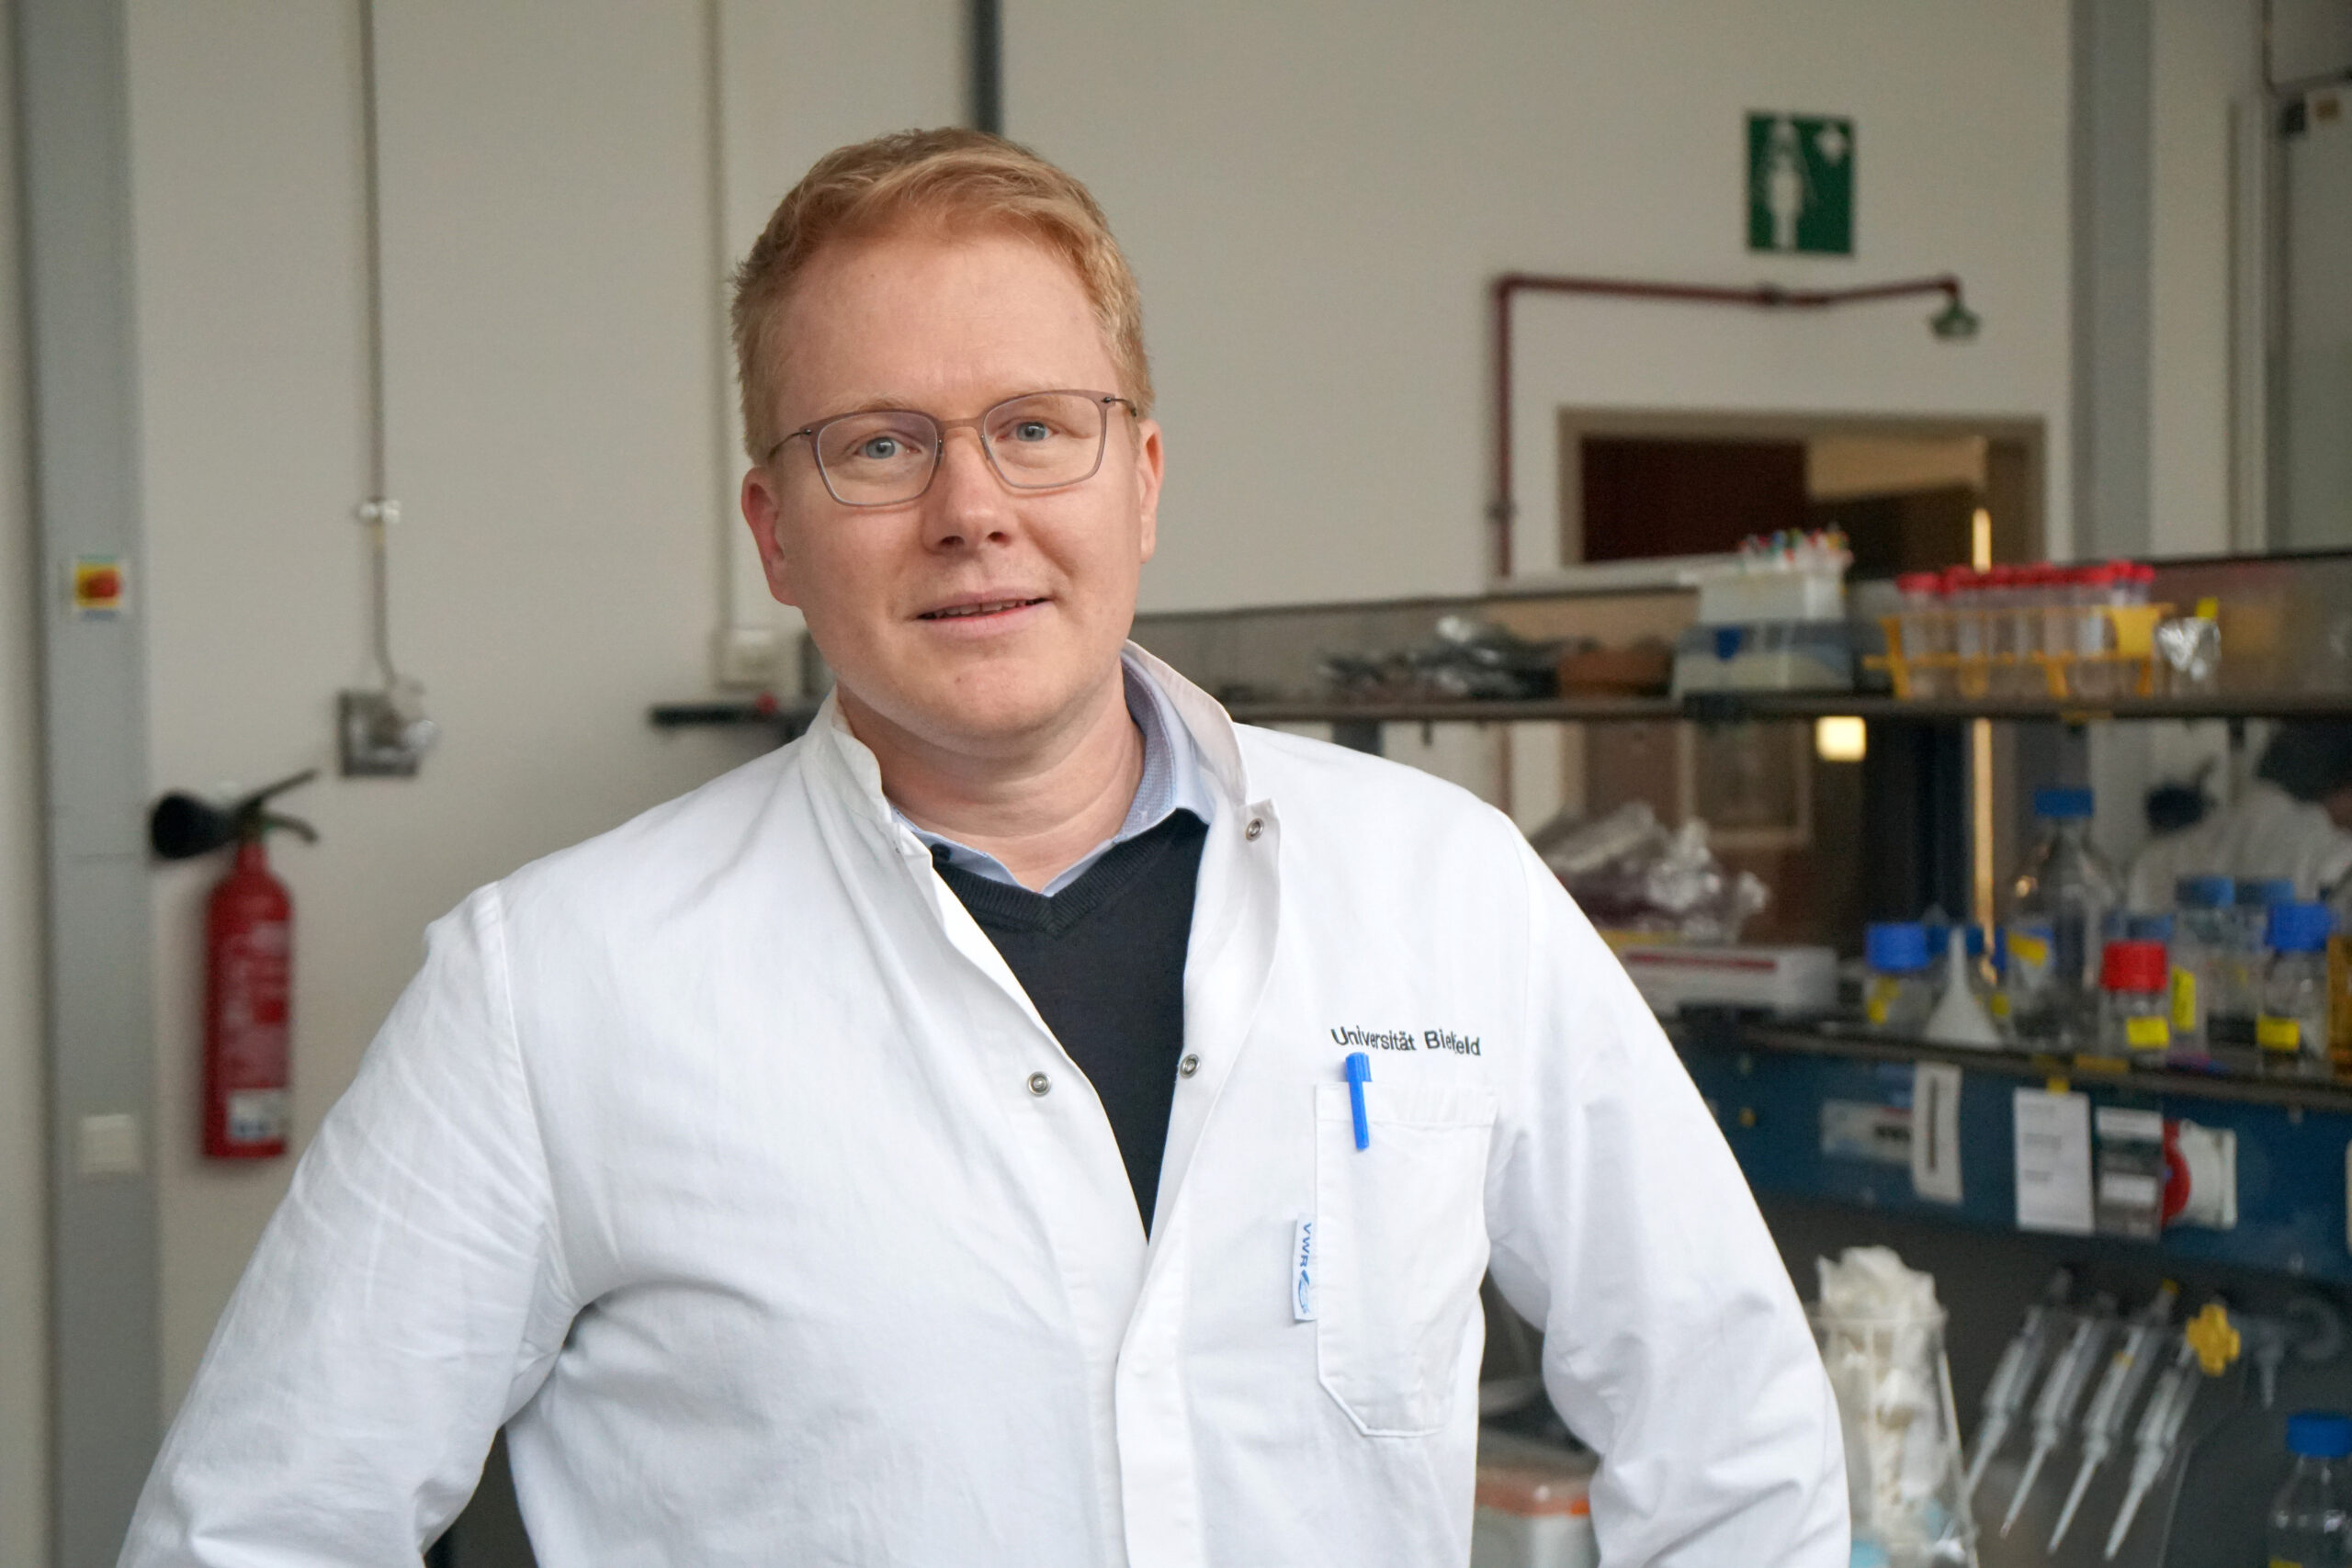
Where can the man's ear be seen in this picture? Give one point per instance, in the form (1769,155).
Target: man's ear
(764,514)
(1152,461)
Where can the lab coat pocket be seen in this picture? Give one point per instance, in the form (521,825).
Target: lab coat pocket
(1400,1243)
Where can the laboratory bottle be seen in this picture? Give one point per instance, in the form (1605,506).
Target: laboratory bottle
(2247,959)
(2200,935)
(2310,1518)
(2060,905)
(1983,980)
(1900,992)
(2137,1012)
(1997,998)
(2293,1026)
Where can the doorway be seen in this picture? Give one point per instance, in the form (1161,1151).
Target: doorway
(1930,801)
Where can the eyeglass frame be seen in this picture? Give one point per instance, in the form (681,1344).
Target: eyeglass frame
(976,424)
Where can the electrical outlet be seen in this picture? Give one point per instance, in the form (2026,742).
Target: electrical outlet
(384,734)
(108,1144)
(2206,1175)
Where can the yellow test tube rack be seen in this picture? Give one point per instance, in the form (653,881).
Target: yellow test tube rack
(2128,653)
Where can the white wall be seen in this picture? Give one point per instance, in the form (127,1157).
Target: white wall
(2206,56)
(795,82)
(24,1096)
(1314,198)
(549,279)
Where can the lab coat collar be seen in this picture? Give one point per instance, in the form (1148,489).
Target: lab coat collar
(1217,749)
(1236,907)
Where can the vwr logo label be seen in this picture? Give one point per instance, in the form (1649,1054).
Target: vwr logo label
(1406,1040)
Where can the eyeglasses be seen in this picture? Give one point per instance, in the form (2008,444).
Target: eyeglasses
(889,456)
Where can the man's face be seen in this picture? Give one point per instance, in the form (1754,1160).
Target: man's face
(949,326)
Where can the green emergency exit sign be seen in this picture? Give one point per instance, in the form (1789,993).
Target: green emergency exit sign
(1801,184)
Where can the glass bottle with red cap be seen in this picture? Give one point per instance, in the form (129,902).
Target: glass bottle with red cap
(2136,1004)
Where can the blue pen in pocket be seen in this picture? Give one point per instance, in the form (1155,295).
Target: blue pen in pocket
(1359,1074)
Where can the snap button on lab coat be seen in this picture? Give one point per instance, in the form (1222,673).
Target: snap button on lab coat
(1039,1084)
(1188,1066)
(1257,826)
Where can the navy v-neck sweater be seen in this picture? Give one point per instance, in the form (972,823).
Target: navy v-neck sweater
(1104,962)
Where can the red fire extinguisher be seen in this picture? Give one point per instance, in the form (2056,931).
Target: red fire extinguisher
(249,968)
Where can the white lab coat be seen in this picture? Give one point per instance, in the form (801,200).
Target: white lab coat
(2266,832)
(706,1156)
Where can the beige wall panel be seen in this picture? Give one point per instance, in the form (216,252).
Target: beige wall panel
(1315,199)
(24,1272)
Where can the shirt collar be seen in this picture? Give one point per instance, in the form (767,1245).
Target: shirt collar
(1171,782)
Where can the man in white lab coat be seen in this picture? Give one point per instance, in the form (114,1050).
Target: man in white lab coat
(935,1144)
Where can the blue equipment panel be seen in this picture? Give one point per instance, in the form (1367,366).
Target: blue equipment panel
(2292,1159)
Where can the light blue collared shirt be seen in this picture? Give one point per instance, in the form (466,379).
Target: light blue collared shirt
(1171,782)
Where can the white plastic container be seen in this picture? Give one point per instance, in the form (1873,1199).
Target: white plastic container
(1534,1508)
(1768,656)
(1788,982)
(1738,598)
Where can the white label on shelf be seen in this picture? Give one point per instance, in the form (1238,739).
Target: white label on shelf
(2054,1160)
(2129,1189)
(2130,1126)
(1935,1132)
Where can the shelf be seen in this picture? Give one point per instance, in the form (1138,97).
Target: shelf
(787,718)
(1818,1113)
(1731,706)
(1850,1044)
(1709,707)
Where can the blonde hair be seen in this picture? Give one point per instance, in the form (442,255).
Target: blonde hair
(949,177)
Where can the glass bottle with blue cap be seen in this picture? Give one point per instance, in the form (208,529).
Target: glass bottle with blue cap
(2310,1519)
(2292,1028)
(2062,904)
(1900,992)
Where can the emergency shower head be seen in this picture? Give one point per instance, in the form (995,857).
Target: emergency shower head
(1955,323)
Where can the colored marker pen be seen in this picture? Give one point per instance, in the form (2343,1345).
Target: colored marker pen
(1359,1074)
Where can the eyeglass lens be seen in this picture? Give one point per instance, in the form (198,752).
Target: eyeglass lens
(1035,442)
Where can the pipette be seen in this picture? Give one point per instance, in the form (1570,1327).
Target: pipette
(2054,1413)
(2013,1376)
(2110,1406)
(2159,1430)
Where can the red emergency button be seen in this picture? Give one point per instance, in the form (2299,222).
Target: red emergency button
(97,586)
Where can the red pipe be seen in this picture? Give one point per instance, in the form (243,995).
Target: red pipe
(1767,296)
